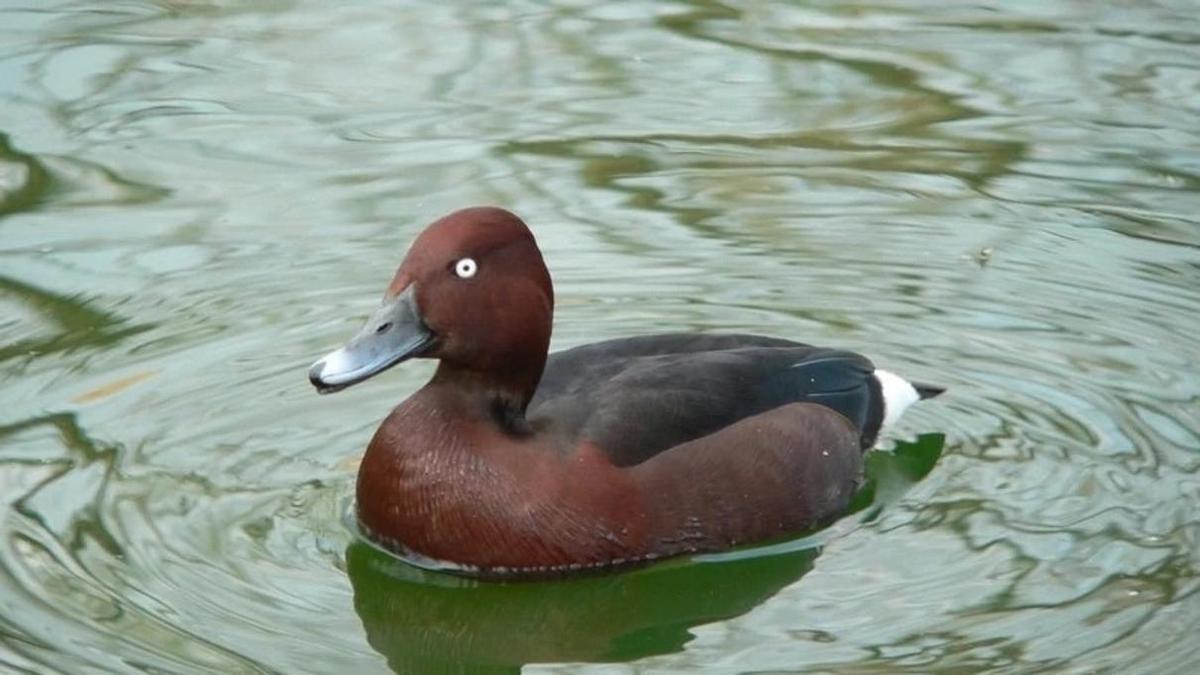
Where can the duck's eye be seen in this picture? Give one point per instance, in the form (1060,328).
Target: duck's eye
(466,268)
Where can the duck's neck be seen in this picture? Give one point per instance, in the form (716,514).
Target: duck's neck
(498,398)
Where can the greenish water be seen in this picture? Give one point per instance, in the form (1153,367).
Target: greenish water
(197,199)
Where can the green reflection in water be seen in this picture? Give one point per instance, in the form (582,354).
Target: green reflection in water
(82,453)
(78,324)
(23,192)
(422,624)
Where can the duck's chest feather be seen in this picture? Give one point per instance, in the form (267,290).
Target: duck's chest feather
(451,487)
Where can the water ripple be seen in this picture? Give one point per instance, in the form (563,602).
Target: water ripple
(197,200)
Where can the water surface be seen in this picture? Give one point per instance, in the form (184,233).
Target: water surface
(197,199)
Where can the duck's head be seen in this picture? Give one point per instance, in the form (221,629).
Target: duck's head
(473,292)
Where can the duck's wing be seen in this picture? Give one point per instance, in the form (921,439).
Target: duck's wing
(637,397)
(580,368)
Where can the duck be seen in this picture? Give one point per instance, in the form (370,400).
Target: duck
(515,462)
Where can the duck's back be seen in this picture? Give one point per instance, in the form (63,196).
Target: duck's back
(637,397)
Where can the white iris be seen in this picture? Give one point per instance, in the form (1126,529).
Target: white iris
(465,268)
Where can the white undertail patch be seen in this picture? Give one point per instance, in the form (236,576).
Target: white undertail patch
(898,394)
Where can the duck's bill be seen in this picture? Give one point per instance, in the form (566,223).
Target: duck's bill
(394,333)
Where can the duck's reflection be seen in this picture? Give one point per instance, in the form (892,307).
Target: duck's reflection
(426,622)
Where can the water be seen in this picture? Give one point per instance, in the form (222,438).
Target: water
(197,199)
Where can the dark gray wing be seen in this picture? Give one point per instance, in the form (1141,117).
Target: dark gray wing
(637,397)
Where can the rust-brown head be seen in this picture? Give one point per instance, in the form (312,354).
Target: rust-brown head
(473,292)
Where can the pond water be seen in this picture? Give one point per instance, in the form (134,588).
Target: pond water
(198,199)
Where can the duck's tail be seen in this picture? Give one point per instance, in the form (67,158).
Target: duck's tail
(898,394)
(928,390)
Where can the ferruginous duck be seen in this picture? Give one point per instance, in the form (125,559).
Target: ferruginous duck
(509,462)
